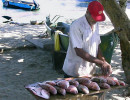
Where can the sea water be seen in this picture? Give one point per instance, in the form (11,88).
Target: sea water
(66,8)
(70,9)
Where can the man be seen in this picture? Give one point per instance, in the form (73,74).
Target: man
(83,53)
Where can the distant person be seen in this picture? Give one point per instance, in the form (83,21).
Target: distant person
(84,53)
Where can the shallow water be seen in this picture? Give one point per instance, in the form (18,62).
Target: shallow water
(67,8)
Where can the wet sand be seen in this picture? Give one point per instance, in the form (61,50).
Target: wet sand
(22,63)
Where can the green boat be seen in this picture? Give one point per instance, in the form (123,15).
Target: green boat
(108,41)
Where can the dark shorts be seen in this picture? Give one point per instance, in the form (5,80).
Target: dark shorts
(67,76)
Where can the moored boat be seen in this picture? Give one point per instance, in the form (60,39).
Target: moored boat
(22,4)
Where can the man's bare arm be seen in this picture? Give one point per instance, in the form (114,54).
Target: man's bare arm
(86,56)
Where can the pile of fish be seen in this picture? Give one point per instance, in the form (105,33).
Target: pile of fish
(73,85)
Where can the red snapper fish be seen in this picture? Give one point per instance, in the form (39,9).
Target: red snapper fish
(110,81)
(63,84)
(83,89)
(45,94)
(60,90)
(84,81)
(122,83)
(93,86)
(115,80)
(118,82)
(50,82)
(72,89)
(99,79)
(74,82)
(40,92)
(104,85)
(48,87)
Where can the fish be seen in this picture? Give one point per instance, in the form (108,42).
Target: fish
(40,92)
(48,87)
(104,85)
(74,82)
(115,80)
(83,81)
(122,83)
(63,84)
(83,89)
(99,79)
(93,86)
(50,82)
(110,81)
(72,89)
(45,94)
(60,90)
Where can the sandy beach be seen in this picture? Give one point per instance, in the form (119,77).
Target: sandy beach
(23,63)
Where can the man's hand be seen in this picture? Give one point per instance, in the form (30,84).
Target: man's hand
(106,69)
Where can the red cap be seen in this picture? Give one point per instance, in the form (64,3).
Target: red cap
(96,11)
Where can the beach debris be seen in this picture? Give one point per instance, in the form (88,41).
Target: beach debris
(83,89)
(8,18)
(20,24)
(72,89)
(36,22)
(44,35)
(10,21)
(6,21)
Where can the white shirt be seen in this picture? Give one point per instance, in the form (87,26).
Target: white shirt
(81,36)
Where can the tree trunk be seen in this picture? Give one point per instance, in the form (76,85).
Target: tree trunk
(121,23)
(122,4)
